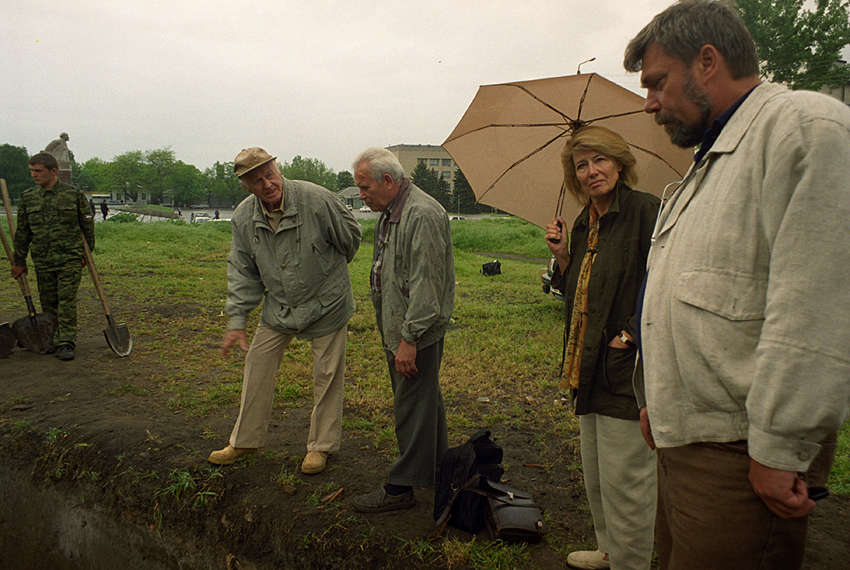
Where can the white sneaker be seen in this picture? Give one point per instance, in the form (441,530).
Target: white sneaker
(588,559)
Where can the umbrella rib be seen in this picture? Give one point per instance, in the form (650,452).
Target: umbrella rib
(507,125)
(658,156)
(541,101)
(523,159)
(568,126)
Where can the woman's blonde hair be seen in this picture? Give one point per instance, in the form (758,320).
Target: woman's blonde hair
(601,140)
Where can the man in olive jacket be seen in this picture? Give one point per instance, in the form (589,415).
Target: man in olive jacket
(412,284)
(52,217)
(292,241)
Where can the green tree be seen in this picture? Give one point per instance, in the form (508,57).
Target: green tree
(428,181)
(222,184)
(344,179)
(463,196)
(93,175)
(796,46)
(14,167)
(161,166)
(128,174)
(311,169)
(186,183)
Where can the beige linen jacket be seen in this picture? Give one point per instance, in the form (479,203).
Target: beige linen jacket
(746,319)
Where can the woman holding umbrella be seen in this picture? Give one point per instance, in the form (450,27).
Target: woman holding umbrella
(600,267)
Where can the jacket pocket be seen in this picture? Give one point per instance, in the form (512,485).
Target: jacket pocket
(716,320)
(619,366)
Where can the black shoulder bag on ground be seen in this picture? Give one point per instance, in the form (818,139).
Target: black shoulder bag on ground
(468,495)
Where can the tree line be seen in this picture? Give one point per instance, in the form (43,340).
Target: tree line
(164,179)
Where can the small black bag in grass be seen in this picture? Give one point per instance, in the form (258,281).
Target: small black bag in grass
(492,268)
(457,498)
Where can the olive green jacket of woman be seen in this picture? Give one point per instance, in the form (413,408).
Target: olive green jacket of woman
(605,376)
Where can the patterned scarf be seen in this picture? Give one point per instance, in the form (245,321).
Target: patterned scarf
(578,318)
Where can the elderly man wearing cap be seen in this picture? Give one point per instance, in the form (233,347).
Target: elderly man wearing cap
(292,241)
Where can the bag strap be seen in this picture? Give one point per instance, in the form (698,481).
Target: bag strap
(443,520)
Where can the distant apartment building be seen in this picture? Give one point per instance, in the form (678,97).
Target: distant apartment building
(434,157)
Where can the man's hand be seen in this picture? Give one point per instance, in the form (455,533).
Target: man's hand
(645,429)
(231,337)
(18,270)
(783,492)
(405,359)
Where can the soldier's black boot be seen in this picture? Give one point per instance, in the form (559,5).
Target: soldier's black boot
(65,352)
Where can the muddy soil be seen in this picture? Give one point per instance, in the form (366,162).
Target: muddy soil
(92,434)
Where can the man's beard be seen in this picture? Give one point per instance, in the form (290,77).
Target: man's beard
(683,135)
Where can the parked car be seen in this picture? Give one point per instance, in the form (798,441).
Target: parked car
(365,209)
(201,217)
(546,278)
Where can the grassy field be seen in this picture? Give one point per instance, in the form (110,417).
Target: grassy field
(505,338)
(167,280)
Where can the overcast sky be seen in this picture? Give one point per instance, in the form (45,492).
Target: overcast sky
(318,78)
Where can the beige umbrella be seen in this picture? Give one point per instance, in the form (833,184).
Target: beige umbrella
(508,143)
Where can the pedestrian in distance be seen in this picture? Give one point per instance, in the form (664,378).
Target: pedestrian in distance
(744,374)
(104,209)
(600,267)
(52,218)
(292,242)
(412,287)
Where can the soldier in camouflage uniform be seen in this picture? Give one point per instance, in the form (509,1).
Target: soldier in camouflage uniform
(51,217)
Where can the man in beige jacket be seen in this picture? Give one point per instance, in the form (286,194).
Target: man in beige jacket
(743,326)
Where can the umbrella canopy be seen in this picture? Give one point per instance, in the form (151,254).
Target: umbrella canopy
(509,141)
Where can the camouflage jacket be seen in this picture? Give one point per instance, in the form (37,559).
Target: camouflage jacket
(49,225)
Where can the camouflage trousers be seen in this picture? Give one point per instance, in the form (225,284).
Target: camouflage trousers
(57,290)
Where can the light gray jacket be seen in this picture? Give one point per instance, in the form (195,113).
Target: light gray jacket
(746,319)
(300,271)
(418,272)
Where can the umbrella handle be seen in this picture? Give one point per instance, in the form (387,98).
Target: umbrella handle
(95,278)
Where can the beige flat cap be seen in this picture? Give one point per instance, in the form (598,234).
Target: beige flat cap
(250,158)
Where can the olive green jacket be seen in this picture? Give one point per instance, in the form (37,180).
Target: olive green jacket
(417,271)
(300,270)
(605,377)
(50,226)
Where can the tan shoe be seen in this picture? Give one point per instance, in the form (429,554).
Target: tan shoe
(228,455)
(314,462)
(590,559)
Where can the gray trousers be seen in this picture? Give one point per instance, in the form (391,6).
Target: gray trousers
(420,419)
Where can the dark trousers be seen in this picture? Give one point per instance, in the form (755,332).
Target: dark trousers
(709,517)
(57,291)
(420,419)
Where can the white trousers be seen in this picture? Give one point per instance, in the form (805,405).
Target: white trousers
(620,480)
(258,381)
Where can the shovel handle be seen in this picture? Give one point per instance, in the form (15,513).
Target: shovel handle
(7,203)
(95,278)
(22,279)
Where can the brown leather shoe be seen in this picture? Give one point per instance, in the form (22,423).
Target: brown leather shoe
(380,501)
(314,462)
(228,455)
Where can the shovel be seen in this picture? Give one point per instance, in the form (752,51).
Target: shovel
(35,331)
(7,340)
(117,336)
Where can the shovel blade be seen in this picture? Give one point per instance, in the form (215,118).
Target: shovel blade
(118,338)
(7,340)
(35,334)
